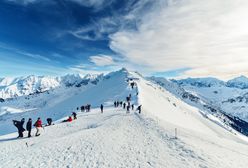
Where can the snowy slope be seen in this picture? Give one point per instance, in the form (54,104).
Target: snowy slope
(61,101)
(117,139)
(230,96)
(22,86)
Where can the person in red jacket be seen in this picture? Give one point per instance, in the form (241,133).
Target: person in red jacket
(38,126)
(69,119)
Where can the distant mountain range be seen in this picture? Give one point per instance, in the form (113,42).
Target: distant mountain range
(14,87)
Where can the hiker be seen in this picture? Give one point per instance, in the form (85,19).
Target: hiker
(19,126)
(129,104)
(139,108)
(128,109)
(101,108)
(68,120)
(38,126)
(132,85)
(82,108)
(74,115)
(49,121)
(115,103)
(77,108)
(29,127)
(128,98)
(121,103)
(124,105)
(132,106)
(89,107)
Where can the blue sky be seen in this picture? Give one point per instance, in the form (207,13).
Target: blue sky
(171,38)
(56,37)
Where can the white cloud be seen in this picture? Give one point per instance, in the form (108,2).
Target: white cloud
(102,60)
(209,36)
(31,55)
(96,30)
(85,68)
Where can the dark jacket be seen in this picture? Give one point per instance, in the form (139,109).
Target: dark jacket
(19,125)
(29,125)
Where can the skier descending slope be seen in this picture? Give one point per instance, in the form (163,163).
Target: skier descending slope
(19,126)
(29,127)
(38,126)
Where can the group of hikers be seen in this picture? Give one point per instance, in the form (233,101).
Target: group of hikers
(19,126)
(85,108)
(38,125)
(127,104)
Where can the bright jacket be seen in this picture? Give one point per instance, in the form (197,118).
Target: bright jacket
(69,119)
(38,123)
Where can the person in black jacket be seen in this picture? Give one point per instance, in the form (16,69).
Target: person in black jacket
(139,108)
(101,108)
(132,106)
(128,108)
(19,126)
(29,127)
(49,121)
(74,115)
(124,105)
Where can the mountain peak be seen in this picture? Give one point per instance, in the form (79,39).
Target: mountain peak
(240,78)
(238,82)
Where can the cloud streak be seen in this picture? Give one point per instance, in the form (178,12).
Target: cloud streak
(102,60)
(24,53)
(208,36)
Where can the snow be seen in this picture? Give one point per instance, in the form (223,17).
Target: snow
(21,86)
(239,82)
(118,139)
(230,96)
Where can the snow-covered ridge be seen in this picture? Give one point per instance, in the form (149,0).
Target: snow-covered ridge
(107,139)
(238,82)
(228,104)
(20,86)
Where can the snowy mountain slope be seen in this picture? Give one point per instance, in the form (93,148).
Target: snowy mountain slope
(239,82)
(117,139)
(62,101)
(209,97)
(15,87)
(112,139)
